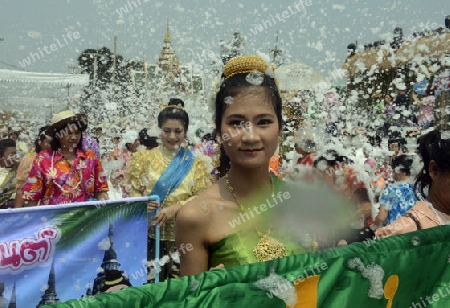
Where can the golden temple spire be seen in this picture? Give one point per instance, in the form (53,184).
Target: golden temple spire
(167,39)
(168,60)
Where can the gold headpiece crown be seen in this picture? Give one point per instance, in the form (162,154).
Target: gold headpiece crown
(244,65)
(164,106)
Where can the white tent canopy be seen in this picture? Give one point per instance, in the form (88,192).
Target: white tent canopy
(33,77)
(39,94)
(298,76)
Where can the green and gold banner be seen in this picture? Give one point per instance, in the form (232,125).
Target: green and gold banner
(410,270)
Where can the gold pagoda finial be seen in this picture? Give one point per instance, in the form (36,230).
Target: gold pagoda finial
(168,60)
(167,39)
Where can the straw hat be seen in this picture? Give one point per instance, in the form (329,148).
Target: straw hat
(61,119)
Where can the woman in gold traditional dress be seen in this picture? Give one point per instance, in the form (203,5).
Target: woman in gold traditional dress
(231,223)
(171,172)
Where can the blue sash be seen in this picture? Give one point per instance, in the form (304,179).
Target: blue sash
(174,174)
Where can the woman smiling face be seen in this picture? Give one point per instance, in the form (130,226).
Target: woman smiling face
(69,137)
(172,134)
(249,128)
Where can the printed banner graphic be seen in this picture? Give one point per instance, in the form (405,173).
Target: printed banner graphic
(52,254)
(410,270)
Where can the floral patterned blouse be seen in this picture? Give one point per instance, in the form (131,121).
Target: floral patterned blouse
(52,180)
(398,198)
(426,112)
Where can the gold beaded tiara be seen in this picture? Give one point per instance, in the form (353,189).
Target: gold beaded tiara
(164,106)
(244,65)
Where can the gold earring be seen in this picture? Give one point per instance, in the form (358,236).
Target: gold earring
(280,151)
(216,158)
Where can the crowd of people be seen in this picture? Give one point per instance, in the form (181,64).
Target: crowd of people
(203,187)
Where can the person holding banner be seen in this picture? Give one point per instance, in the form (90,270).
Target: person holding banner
(174,174)
(41,143)
(433,182)
(66,173)
(220,228)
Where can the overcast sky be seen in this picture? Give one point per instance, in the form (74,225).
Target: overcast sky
(312,31)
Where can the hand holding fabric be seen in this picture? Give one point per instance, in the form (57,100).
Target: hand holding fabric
(218,266)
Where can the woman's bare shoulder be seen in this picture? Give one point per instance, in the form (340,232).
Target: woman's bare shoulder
(197,212)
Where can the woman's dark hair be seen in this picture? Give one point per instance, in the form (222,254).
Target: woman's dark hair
(6,143)
(361,195)
(396,139)
(146,140)
(402,163)
(432,147)
(331,157)
(172,113)
(63,132)
(41,137)
(233,86)
(14,133)
(208,137)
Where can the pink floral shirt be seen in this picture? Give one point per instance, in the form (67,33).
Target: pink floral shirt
(426,112)
(52,180)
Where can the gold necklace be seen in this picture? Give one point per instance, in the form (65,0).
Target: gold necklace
(267,247)
(231,189)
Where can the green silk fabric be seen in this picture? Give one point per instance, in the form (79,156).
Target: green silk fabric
(236,249)
(419,259)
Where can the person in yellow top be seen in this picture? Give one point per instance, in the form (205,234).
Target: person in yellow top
(173,173)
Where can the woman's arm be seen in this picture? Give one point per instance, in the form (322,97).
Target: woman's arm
(19,202)
(28,203)
(100,181)
(189,237)
(102,195)
(33,190)
(416,99)
(382,216)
